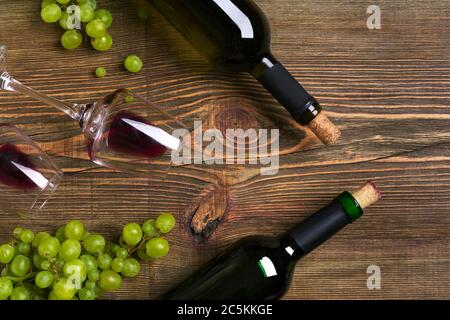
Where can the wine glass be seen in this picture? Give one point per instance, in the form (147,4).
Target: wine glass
(28,177)
(123,131)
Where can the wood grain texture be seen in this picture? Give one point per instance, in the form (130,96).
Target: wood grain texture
(388,90)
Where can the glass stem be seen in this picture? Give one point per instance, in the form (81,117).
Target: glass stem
(75,111)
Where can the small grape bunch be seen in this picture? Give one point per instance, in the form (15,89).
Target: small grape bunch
(76,17)
(76,264)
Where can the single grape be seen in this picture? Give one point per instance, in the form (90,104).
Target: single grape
(96,28)
(105,16)
(64,289)
(117,264)
(27,236)
(133,63)
(44,279)
(86,12)
(6,253)
(98,291)
(75,270)
(37,260)
(157,247)
(20,293)
(20,265)
(51,13)
(74,230)
(165,222)
(69,250)
(110,280)
(86,294)
(149,228)
(92,3)
(60,234)
(23,247)
(104,261)
(52,296)
(6,288)
(17,232)
(94,244)
(102,43)
(89,261)
(143,14)
(131,268)
(94,275)
(132,234)
(45,3)
(90,284)
(71,39)
(45,265)
(49,247)
(113,247)
(100,72)
(38,238)
(122,253)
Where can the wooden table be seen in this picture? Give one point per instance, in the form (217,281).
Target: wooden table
(388,90)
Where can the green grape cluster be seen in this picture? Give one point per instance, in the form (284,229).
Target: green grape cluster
(76,264)
(76,17)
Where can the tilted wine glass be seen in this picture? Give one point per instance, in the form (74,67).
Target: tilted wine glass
(123,131)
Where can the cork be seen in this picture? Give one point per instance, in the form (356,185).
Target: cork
(324,129)
(367,195)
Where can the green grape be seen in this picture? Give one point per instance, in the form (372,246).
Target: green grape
(60,234)
(64,21)
(122,253)
(37,260)
(51,13)
(110,280)
(104,261)
(142,255)
(75,270)
(64,289)
(133,63)
(117,264)
(96,28)
(20,265)
(45,3)
(89,261)
(114,247)
(94,243)
(90,284)
(74,230)
(132,234)
(27,236)
(69,250)
(45,265)
(165,222)
(150,229)
(49,247)
(86,12)
(98,291)
(23,247)
(94,275)
(92,3)
(17,232)
(44,279)
(105,16)
(6,288)
(131,268)
(38,238)
(86,294)
(102,43)
(71,39)
(143,14)
(20,293)
(63,1)
(100,72)
(7,253)
(157,247)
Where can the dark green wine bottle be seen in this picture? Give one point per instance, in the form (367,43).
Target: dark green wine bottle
(261,268)
(235,34)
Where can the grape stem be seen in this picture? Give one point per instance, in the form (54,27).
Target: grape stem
(20,279)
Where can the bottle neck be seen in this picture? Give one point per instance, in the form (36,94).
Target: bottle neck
(286,89)
(322,225)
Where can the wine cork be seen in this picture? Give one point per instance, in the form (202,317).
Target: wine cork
(324,129)
(367,195)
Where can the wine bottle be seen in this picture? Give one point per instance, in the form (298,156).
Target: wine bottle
(261,268)
(236,34)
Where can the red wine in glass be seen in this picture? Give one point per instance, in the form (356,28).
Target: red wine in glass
(13,167)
